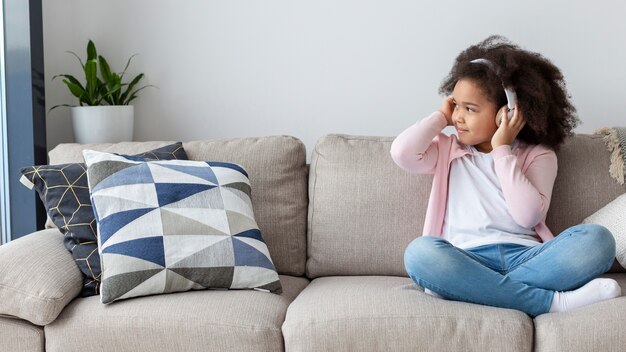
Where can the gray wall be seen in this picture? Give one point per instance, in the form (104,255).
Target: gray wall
(307,68)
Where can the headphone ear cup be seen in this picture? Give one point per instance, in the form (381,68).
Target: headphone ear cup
(510,112)
(500,115)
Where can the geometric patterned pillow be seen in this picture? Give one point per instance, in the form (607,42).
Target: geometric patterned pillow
(172,226)
(64,191)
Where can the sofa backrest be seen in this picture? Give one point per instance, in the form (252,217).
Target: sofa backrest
(278,176)
(364,210)
(583,184)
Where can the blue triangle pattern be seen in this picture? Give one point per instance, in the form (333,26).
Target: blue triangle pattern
(228,165)
(168,193)
(148,248)
(246,255)
(204,173)
(252,233)
(139,173)
(111,224)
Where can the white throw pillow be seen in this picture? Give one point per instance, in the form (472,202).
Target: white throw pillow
(613,217)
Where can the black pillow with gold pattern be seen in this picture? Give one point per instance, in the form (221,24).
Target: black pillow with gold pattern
(64,191)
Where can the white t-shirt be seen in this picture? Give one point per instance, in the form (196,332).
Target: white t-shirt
(476,212)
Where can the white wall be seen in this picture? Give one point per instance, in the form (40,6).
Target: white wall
(307,68)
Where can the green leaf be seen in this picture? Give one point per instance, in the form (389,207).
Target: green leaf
(128,64)
(107,99)
(133,95)
(114,87)
(79,60)
(114,80)
(75,89)
(131,98)
(91,73)
(92,54)
(105,70)
(113,95)
(131,85)
(71,79)
(60,105)
(84,100)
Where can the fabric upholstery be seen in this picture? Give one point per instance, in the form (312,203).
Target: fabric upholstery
(383,313)
(583,183)
(597,327)
(366,232)
(177,225)
(362,235)
(278,176)
(64,192)
(20,336)
(613,217)
(189,321)
(346,313)
(38,277)
(65,153)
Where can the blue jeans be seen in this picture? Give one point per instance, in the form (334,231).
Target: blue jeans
(512,275)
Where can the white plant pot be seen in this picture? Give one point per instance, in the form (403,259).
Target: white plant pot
(103,124)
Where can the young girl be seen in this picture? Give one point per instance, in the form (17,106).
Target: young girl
(485,239)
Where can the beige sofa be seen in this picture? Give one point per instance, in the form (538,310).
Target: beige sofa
(336,231)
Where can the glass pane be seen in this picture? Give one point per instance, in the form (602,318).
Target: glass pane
(24,113)
(4,233)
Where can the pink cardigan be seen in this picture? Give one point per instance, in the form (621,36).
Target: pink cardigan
(526,174)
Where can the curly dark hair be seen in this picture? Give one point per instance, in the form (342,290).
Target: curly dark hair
(541,93)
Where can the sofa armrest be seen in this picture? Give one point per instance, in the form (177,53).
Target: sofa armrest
(38,277)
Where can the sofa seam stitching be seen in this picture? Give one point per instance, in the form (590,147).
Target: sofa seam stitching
(246,327)
(26,293)
(13,320)
(316,322)
(312,207)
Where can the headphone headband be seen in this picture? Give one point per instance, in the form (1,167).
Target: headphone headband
(487,63)
(511,97)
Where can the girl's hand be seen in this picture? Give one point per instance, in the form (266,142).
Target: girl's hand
(508,129)
(447,107)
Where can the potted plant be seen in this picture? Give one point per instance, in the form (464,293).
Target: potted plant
(104,113)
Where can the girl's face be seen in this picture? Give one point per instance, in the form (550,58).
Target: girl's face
(474,115)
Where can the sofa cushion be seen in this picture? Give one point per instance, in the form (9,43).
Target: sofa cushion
(378,313)
(583,183)
(189,321)
(363,209)
(277,169)
(597,327)
(177,225)
(37,289)
(64,192)
(613,217)
(366,232)
(20,336)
